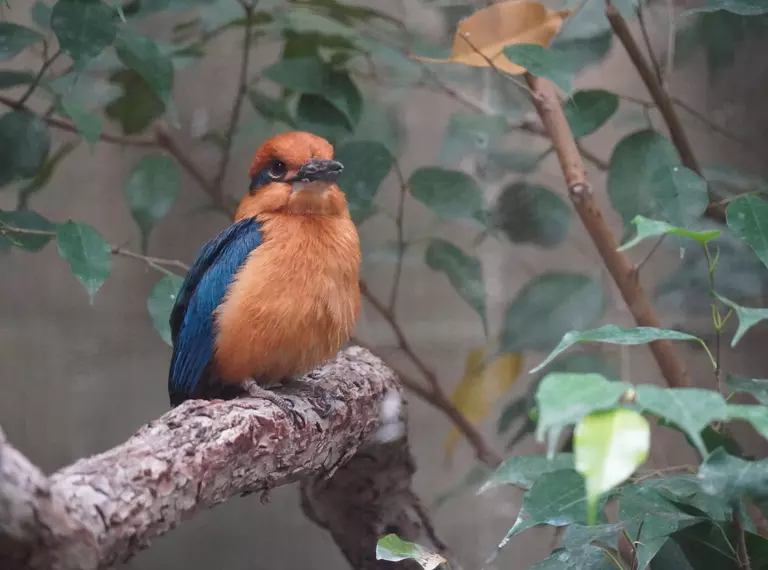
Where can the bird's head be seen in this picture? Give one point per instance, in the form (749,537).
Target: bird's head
(294,173)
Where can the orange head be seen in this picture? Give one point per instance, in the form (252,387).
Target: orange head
(294,173)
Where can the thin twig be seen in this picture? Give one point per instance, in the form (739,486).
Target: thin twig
(661,98)
(742,554)
(658,243)
(234,117)
(70,127)
(157,263)
(671,36)
(718,322)
(434,393)
(47,62)
(616,262)
(492,65)
(400,236)
(648,45)
(722,131)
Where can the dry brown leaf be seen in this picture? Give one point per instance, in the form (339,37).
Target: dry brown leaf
(480,388)
(491,29)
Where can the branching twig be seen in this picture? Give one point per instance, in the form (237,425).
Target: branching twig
(234,117)
(617,263)
(47,62)
(648,44)
(433,393)
(661,98)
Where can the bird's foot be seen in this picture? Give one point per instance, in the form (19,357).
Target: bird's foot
(320,399)
(254,390)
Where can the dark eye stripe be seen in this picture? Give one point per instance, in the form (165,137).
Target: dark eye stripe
(260,179)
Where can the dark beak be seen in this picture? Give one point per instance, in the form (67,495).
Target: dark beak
(318,169)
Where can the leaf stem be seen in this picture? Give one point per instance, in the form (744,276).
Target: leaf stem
(717,320)
(47,62)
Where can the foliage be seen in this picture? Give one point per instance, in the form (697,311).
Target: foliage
(341,72)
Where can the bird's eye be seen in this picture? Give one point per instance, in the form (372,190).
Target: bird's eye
(278,169)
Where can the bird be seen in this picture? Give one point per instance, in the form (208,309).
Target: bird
(275,294)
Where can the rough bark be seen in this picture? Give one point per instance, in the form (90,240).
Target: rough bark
(103,509)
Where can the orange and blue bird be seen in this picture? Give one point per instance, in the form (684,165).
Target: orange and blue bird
(276,293)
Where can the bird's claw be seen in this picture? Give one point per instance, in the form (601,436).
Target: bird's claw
(256,391)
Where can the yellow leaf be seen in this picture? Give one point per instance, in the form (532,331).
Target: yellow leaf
(491,29)
(481,387)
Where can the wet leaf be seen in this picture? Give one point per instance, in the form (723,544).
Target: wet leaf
(87,253)
(731,478)
(756,415)
(564,398)
(143,55)
(608,447)
(160,303)
(366,164)
(680,195)
(747,217)
(586,557)
(689,408)
(612,334)
(748,317)
(451,194)
(88,124)
(83,27)
(589,110)
(542,62)
(15,38)
(653,228)
(24,145)
(756,386)
(523,470)
(138,105)
(28,220)
(151,190)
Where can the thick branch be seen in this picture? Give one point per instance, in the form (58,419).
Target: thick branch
(102,510)
(624,274)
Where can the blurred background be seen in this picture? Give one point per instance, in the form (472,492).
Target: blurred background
(76,378)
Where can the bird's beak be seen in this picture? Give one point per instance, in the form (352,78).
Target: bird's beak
(318,170)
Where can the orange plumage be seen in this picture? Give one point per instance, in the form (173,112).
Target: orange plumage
(296,300)
(292,297)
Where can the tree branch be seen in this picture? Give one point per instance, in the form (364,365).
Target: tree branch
(662,100)
(580,192)
(103,509)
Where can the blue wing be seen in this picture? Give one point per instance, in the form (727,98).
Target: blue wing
(192,327)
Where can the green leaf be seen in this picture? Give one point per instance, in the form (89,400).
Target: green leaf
(317,115)
(548,305)
(160,303)
(612,334)
(138,105)
(726,181)
(740,7)
(756,415)
(393,548)
(577,535)
(589,110)
(312,76)
(270,108)
(528,213)
(541,62)
(463,271)
(651,228)
(652,518)
(748,317)
(634,162)
(689,408)
(586,557)
(451,194)
(731,478)
(143,55)
(470,133)
(24,145)
(747,217)
(366,164)
(579,52)
(523,470)
(556,499)
(710,544)
(685,490)
(15,38)
(88,254)
(608,447)
(10,79)
(680,194)
(87,123)
(564,398)
(83,27)
(151,190)
(41,14)
(27,220)
(755,386)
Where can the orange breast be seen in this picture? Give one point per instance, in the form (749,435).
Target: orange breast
(295,301)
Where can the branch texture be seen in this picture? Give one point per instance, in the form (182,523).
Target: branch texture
(580,192)
(103,509)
